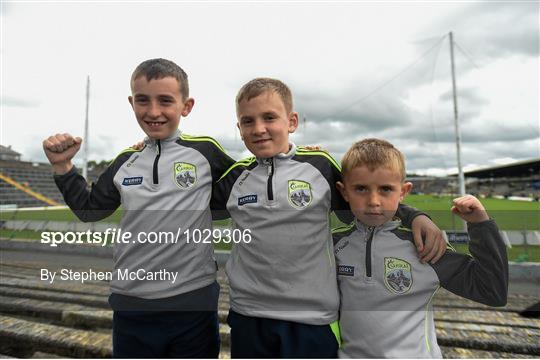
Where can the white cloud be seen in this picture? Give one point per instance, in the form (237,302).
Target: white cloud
(330,54)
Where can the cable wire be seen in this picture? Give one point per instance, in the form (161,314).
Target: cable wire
(389,80)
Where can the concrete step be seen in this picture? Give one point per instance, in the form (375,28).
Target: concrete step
(518,332)
(66,313)
(479,340)
(462,353)
(16,335)
(486,317)
(88,300)
(63,287)
(445,299)
(59,340)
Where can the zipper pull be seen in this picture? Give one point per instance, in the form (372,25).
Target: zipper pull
(370,231)
(270,164)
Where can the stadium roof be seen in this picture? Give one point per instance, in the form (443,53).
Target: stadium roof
(6,150)
(517,169)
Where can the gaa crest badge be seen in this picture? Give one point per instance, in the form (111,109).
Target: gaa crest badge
(185,175)
(397,275)
(299,193)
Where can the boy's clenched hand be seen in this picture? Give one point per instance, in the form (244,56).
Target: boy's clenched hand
(469,209)
(60,149)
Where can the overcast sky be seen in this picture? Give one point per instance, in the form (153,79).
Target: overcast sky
(356,70)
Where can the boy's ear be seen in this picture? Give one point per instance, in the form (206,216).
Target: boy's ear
(341,189)
(130,99)
(293,121)
(188,105)
(405,189)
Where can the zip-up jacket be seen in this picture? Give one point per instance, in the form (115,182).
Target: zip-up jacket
(165,187)
(287,271)
(386,292)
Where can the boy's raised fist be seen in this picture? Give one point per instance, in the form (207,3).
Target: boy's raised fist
(60,149)
(469,209)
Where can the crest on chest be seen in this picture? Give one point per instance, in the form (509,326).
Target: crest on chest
(397,275)
(185,175)
(299,193)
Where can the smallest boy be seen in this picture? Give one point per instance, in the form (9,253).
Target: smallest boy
(386,291)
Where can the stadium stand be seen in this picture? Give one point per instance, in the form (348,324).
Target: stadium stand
(432,185)
(6,153)
(29,184)
(519,179)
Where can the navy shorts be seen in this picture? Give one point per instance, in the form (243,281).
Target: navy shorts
(253,337)
(167,334)
(182,326)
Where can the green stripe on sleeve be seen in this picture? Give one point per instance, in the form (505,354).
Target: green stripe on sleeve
(244,162)
(125,151)
(202,138)
(320,153)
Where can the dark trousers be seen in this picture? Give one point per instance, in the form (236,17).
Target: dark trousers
(253,337)
(165,334)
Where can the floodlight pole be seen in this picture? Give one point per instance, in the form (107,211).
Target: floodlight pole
(85,139)
(461,177)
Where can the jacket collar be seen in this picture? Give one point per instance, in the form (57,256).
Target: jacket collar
(387,226)
(280,156)
(173,137)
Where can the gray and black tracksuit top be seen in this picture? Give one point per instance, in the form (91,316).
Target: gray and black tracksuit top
(163,187)
(287,271)
(386,292)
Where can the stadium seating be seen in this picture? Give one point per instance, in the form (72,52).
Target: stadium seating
(37,177)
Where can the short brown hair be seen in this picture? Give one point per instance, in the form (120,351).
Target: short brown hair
(160,68)
(373,153)
(261,85)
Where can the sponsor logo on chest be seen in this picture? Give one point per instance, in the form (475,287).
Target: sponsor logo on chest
(299,193)
(185,175)
(397,275)
(345,270)
(136,180)
(248,199)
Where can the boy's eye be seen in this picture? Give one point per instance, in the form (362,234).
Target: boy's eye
(386,189)
(166,100)
(245,121)
(359,188)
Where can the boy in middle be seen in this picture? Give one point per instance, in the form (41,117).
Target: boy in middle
(283,287)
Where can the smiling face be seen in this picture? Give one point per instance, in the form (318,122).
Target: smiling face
(373,195)
(158,105)
(265,124)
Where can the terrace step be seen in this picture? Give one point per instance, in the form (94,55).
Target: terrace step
(16,335)
(67,313)
(486,317)
(64,341)
(89,300)
(458,353)
(62,287)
